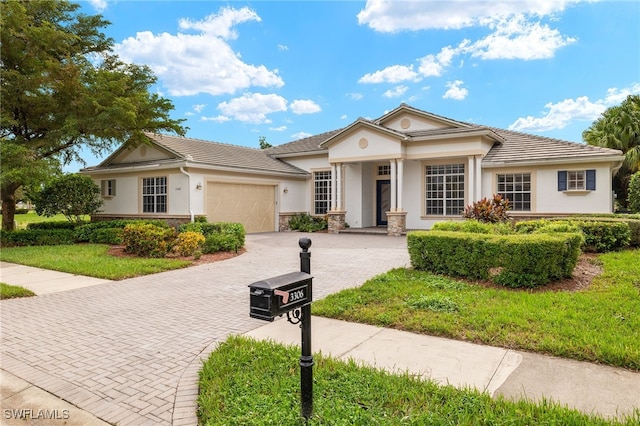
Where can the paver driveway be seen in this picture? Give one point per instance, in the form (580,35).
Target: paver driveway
(129,351)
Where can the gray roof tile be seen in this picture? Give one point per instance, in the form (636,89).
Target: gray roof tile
(224,155)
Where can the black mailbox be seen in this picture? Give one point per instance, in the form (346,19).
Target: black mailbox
(278,295)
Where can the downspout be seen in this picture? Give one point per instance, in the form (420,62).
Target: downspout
(188,192)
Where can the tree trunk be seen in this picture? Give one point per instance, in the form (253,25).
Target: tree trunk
(9,207)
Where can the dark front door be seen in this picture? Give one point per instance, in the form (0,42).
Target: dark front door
(383,201)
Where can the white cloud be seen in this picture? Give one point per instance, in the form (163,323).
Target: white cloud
(455,91)
(99,5)
(218,119)
(199,107)
(300,135)
(517,38)
(304,107)
(343,117)
(283,47)
(515,31)
(396,93)
(392,74)
(356,96)
(278,129)
(558,115)
(188,64)
(394,16)
(253,107)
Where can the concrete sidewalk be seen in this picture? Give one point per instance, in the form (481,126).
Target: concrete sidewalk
(587,387)
(44,281)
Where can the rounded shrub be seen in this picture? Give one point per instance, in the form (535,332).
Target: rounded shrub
(147,240)
(188,243)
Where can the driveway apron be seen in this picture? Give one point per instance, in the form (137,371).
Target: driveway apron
(129,351)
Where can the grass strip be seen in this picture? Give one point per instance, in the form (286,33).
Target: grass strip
(598,324)
(13,291)
(258,383)
(91,260)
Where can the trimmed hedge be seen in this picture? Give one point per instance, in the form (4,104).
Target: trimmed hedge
(632,220)
(509,260)
(473,226)
(109,231)
(36,237)
(53,225)
(599,235)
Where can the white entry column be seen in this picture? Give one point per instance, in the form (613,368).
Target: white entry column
(394,180)
(400,184)
(339,186)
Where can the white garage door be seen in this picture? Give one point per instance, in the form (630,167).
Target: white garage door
(248,204)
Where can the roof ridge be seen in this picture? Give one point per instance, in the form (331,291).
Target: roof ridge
(206,141)
(548,138)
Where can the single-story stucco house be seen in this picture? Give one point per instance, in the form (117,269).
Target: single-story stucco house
(404,170)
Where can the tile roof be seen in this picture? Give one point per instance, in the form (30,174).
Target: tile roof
(222,154)
(306,145)
(519,146)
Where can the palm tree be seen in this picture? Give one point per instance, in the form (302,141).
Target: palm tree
(619,128)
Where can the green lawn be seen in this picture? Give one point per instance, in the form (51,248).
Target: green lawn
(599,324)
(88,259)
(246,382)
(13,291)
(22,220)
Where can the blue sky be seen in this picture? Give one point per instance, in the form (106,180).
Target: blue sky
(239,70)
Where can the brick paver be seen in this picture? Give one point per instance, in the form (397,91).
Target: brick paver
(129,351)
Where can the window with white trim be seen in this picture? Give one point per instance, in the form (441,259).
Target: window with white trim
(321,192)
(444,189)
(108,188)
(577,180)
(154,195)
(516,187)
(384,170)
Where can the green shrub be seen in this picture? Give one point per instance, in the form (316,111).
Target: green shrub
(36,237)
(474,226)
(304,222)
(147,240)
(600,235)
(216,242)
(514,260)
(189,243)
(87,233)
(633,193)
(53,225)
(489,210)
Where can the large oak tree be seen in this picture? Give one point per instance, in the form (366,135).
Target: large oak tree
(63,90)
(619,127)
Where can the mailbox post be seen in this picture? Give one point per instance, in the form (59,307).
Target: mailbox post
(290,294)
(306,358)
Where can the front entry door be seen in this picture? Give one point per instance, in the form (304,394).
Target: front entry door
(383,201)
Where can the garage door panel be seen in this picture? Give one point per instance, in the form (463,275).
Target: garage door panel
(249,204)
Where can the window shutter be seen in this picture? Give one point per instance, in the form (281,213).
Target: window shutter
(562,180)
(591,180)
(113,188)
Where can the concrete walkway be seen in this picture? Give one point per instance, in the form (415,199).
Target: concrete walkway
(128,352)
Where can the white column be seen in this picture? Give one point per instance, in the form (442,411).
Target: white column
(471,188)
(478,161)
(333,187)
(394,180)
(339,186)
(400,184)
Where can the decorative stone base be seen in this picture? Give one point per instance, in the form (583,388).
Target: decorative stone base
(335,222)
(396,223)
(283,220)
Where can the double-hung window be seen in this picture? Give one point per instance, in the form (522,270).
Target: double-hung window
(444,189)
(516,187)
(154,195)
(321,192)
(577,180)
